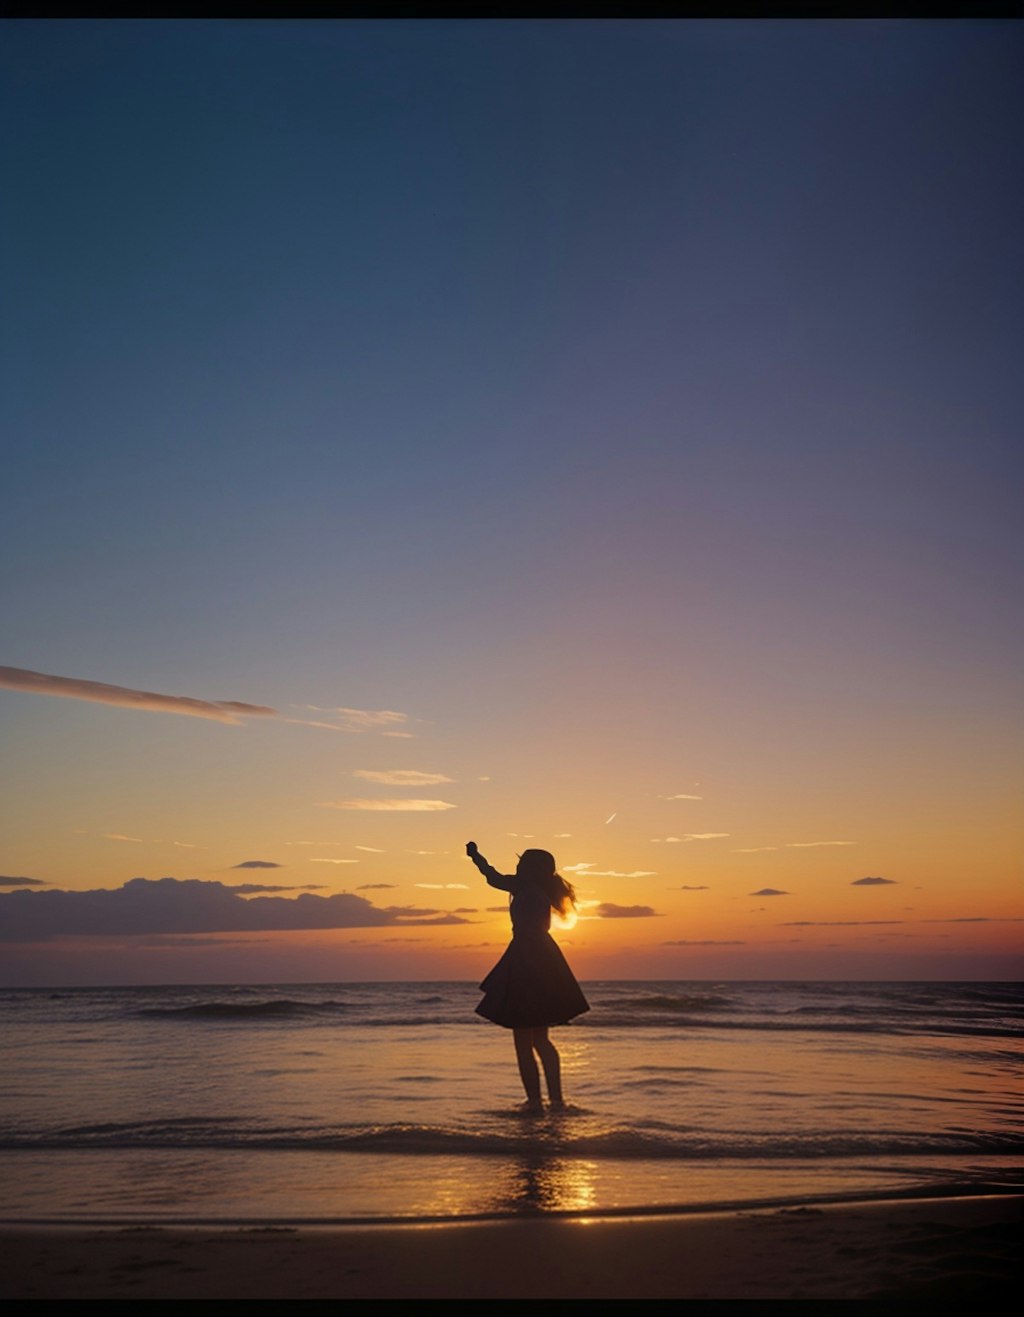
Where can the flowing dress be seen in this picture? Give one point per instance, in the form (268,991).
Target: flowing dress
(531,986)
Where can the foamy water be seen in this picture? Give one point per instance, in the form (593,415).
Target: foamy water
(343,1101)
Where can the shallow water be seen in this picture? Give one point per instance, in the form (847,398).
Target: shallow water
(346,1101)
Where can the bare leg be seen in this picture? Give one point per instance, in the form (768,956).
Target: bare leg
(552,1064)
(528,1072)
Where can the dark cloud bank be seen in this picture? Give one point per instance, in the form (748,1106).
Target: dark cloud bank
(172,905)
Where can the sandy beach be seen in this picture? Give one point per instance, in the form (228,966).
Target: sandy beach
(955,1248)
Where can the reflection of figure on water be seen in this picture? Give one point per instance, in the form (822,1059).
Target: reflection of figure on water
(532,987)
(538,1181)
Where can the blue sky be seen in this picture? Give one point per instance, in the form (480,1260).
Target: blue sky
(607,395)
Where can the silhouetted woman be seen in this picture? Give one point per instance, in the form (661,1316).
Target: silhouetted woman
(532,987)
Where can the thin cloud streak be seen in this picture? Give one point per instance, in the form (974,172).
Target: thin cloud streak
(809,845)
(361,720)
(125,697)
(703,943)
(838,923)
(401,777)
(408,806)
(255,889)
(232,712)
(588,871)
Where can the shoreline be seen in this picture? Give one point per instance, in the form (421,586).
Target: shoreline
(715,1207)
(918,1246)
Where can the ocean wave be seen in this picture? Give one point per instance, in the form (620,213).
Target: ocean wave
(575,1137)
(664,1002)
(695,1012)
(229,1010)
(803,1024)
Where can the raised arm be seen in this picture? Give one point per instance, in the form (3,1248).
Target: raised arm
(494,878)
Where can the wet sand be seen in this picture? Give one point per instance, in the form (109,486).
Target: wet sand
(953,1249)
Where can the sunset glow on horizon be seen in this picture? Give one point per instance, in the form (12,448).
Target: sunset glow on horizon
(629,469)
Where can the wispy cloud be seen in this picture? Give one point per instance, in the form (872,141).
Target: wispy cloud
(329,859)
(407,806)
(120,836)
(401,777)
(258,864)
(189,845)
(976,919)
(609,910)
(358,720)
(444,887)
(809,845)
(223,711)
(253,889)
(768,891)
(703,943)
(752,850)
(588,871)
(684,888)
(375,850)
(7,881)
(170,905)
(704,836)
(838,923)
(125,697)
(680,796)
(874,882)
(369,717)
(376,887)
(668,839)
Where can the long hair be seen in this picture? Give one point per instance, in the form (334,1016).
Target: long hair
(540,866)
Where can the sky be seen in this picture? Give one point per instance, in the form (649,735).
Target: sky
(597,436)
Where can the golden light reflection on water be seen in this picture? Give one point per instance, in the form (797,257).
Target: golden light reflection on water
(533,1182)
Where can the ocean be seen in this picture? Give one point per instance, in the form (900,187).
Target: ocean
(350,1102)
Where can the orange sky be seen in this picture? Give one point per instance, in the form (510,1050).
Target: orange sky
(634,460)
